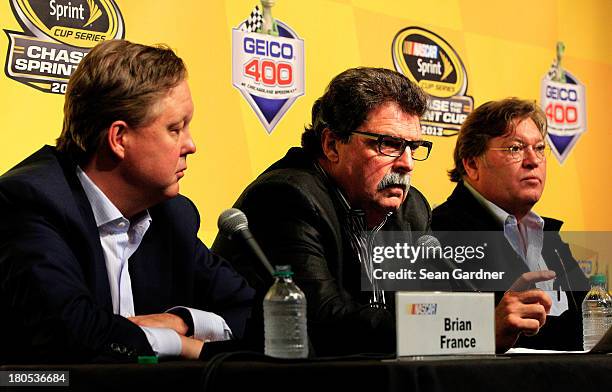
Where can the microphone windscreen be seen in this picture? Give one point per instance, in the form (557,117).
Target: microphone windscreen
(232,220)
(428,241)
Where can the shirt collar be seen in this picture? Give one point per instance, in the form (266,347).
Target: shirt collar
(103,209)
(531,218)
(346,206)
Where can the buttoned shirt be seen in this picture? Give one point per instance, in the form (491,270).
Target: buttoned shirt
(120,238)
(527,239)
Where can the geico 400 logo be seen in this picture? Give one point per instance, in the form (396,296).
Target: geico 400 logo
(268,70)
(271,64)
(563,107)
(56,35)
(564,103)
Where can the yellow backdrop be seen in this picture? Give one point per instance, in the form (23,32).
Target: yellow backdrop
(506,48)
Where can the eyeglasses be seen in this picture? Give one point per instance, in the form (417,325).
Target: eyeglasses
(392,146)
(517,151)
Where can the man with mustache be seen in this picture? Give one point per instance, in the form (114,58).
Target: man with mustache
(500,171)
(99,252)
(317,208)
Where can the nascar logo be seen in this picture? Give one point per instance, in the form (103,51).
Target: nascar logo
(429,61)
(429,309)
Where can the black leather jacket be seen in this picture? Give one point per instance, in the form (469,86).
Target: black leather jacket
(295,217)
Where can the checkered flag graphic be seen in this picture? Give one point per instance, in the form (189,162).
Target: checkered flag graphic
(253,22)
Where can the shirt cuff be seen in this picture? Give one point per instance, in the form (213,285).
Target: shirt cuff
(165,342)
(207,326)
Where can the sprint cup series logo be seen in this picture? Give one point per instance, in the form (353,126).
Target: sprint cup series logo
(267,68)
(564,102)
(57,35)
(428,60)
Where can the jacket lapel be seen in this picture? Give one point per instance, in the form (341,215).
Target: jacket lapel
(81,214)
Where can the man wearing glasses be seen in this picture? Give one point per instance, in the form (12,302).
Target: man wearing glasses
(500,171)
(317,208)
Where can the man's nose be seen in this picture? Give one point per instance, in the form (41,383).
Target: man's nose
(530,158)
(188,145)
(404,163)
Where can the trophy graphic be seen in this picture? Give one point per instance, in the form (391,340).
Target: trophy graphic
(556,72)
(269,24)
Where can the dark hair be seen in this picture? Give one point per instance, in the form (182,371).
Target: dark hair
(490,120)
(352,95)
(117,80)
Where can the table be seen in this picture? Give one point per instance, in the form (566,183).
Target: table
(253,372)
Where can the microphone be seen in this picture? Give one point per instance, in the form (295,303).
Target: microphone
(232,222)
(429,241)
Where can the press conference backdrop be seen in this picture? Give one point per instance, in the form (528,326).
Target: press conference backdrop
(465,52)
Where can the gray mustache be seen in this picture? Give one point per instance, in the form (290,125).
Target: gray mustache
(393,178)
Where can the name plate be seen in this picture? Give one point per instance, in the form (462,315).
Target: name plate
(435,323)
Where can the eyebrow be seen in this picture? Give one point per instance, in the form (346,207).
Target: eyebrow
(176,124)
(395,137)
(515,139)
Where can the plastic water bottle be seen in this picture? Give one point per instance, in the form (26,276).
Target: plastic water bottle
(285,317)
(596,312)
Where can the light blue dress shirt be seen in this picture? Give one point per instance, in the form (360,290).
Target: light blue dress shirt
(527,239)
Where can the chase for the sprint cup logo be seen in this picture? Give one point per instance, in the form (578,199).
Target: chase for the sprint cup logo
(56,35)
(267,65)
(429,61)
(564,102)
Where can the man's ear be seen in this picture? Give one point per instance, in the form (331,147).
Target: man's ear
(116,138)
(472,166)
(329,144)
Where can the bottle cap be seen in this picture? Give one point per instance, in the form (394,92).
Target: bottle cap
(147,359)
(599,279)
(283,270)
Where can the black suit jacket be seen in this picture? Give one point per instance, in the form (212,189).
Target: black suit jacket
(295,218)
(463,212)
(55,296)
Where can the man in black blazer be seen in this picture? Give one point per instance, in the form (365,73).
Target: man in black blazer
(319,206)
(500,170)
(99,254)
